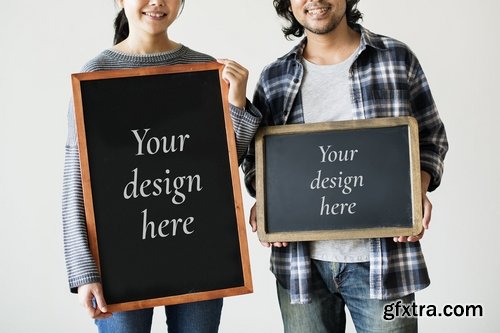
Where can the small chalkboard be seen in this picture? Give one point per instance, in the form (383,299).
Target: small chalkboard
(338,180)
(161,185)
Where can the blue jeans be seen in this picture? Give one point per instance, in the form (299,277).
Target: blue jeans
(196,317)
(335,286)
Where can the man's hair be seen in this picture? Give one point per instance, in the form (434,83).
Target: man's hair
(353,15)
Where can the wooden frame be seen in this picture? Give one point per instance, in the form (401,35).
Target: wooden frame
(338,127)
(242,286)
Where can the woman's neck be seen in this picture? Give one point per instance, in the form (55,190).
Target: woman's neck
(149,45)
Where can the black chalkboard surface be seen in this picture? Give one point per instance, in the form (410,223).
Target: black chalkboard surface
(338,180)
(161,187)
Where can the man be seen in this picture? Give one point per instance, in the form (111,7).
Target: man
(342,71)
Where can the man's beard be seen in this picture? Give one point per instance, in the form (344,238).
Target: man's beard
(329,28)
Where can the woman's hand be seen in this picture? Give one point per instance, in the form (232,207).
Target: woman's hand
(86,294)
(236,77)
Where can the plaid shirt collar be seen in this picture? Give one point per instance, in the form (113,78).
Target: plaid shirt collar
(367,39)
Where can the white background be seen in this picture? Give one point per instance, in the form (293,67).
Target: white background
(42,42)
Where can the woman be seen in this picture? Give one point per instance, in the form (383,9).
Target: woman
(141,39)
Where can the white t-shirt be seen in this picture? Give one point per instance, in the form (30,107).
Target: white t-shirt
(326,96)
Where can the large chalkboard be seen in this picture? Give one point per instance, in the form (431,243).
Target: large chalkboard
(161,186)
(338,180)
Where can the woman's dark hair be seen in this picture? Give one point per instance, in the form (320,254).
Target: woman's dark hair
(282,7)
(121,25)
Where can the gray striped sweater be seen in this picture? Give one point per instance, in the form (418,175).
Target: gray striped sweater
(80,265)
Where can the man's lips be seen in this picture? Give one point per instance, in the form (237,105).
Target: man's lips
(317,11)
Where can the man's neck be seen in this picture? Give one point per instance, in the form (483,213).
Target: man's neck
(333,47)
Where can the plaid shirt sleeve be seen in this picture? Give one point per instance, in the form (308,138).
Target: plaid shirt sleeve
(291,265)
(248,162)
(261,103)
(432,135)
(398,269)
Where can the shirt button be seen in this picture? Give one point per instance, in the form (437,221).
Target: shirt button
(295,80)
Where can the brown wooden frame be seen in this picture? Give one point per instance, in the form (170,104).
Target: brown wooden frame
(339,234)
(87,188)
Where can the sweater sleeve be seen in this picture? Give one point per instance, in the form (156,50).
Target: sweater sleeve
(80,264)
(245,124)
(248,160)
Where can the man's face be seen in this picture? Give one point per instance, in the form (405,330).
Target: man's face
(318,16)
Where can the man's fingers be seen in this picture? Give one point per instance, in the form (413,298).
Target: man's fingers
(253,218)
(415,238)
(426,219)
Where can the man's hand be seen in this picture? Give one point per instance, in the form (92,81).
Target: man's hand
(86,294)
(427,211)
(253,224)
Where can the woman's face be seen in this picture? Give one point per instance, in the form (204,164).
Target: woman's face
(150,17)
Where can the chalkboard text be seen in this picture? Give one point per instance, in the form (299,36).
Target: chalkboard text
(166,227)
(336,155)
(344,183)
(175,188)
(154,145)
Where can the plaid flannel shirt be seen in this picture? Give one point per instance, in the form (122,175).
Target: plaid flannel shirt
(386,81)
